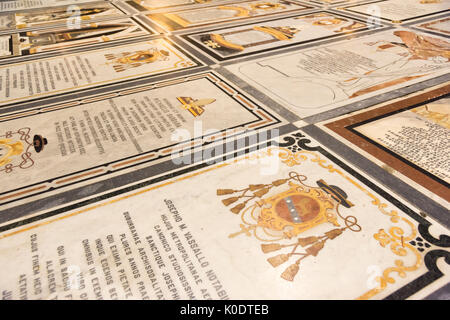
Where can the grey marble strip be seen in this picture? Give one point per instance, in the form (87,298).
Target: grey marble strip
(440,294)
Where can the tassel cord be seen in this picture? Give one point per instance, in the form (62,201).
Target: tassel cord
(300,259)
(298,254)
(350,221)
(299,178)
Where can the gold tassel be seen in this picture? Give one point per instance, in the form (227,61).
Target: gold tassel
(333,233)
(314,249)
(266,248)
(277,183)
(278,259)
(290,273)
(261,192)
(307,241)
(238,208)
(221,192)
(229,201)
(254,187)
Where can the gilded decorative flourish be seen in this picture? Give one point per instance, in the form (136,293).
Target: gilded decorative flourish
(399,245)
(287,157)
(437,113)
(18,144)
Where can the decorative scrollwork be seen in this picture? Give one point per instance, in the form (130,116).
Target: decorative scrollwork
(397,241)
(24,138)
(296,142)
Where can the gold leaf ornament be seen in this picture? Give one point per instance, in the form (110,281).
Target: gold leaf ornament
(382,237)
